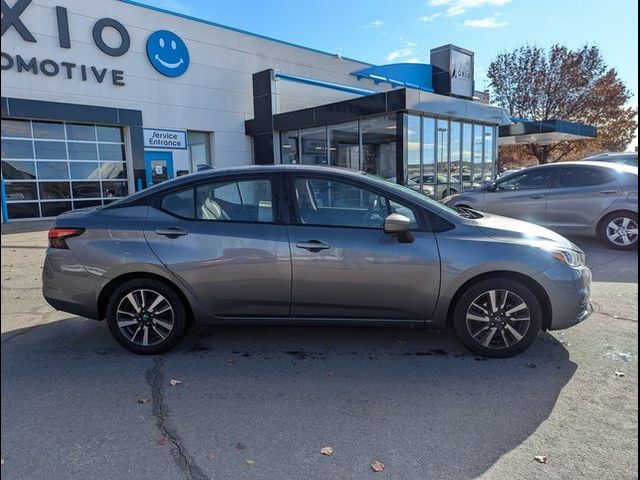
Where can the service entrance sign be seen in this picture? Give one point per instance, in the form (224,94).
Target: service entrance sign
(169,139)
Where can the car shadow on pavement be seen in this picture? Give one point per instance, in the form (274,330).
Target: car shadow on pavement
(412,399)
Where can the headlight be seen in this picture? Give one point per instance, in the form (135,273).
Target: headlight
(450,198)
(571,258)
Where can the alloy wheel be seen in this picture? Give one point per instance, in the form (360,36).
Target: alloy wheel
(622,231)
(498,319)
(145,317)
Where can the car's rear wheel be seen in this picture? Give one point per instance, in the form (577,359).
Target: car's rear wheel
(619,230)
(146,316)
(497,317)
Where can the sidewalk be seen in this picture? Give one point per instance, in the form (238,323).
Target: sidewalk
(27,226)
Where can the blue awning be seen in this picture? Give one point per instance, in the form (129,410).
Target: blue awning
(411,75)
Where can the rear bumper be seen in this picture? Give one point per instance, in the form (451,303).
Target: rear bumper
(68,286)
(568,290)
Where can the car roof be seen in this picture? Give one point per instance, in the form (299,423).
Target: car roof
(214,173)
(592,163)
(612,155)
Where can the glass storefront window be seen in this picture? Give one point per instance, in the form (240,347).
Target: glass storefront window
(455,170)
(48,130)
(67,172)
(428,156)
(344,145)
(442,157)
(16,128)
(488,153)
(313,146)
(17,148)
(414,170)
(476,170)
(289,147)
(17,170)
(379,146)
(50,150)
(86,133)
(467,154)
(82,151)
(199,144)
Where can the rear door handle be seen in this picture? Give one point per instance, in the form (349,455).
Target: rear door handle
(171,231)
(313,245)
(537,197)
(608,192)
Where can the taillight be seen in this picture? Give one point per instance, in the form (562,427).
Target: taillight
(59,235)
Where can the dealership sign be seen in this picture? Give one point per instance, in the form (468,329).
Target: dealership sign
(461,74)
(171,139)
(166,52)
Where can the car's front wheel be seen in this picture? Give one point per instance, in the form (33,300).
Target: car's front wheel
(497,317)
(620,230)
(146,316)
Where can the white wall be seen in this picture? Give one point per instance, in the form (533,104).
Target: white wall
(215,94)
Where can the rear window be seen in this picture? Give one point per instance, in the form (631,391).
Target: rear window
(584,176)
(180,203)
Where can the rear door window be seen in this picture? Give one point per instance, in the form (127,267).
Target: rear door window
(235,201)
(583,177)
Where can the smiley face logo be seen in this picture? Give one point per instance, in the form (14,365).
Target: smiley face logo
(167,53)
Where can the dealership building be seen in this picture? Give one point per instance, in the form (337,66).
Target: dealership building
(100,99)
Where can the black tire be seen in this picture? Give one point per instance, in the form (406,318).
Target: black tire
(177,311)
(616,217)
(501,332)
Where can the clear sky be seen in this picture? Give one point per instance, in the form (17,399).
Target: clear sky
(388,31)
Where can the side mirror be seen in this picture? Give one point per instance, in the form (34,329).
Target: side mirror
(396,223)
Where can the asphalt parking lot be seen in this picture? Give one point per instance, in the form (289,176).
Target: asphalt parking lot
(262,402)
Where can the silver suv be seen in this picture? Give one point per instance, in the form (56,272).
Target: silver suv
(310,245)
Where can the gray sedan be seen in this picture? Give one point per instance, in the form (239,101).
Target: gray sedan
(310,245)
(594,198)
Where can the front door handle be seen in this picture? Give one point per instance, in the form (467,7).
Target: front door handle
(608,192)
(537,197)
(171,231)
(313,245)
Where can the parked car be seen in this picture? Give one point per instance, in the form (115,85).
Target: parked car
(310,245)
(595,198)
(442,189)
(623,158)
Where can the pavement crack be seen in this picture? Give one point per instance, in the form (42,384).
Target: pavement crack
(600,311)
(155,379)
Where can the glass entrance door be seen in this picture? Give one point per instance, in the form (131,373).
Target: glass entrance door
(159,166)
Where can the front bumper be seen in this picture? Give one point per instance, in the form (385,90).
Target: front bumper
(568,290)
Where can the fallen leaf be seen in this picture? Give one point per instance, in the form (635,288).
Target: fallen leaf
(377,466)
(175,382)
(540,458)
(326,451)
(143,400)
(251,462)
(241,446)
(619,374)
(211,456)
(163,440)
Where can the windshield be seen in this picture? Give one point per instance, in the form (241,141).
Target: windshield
(462,212)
